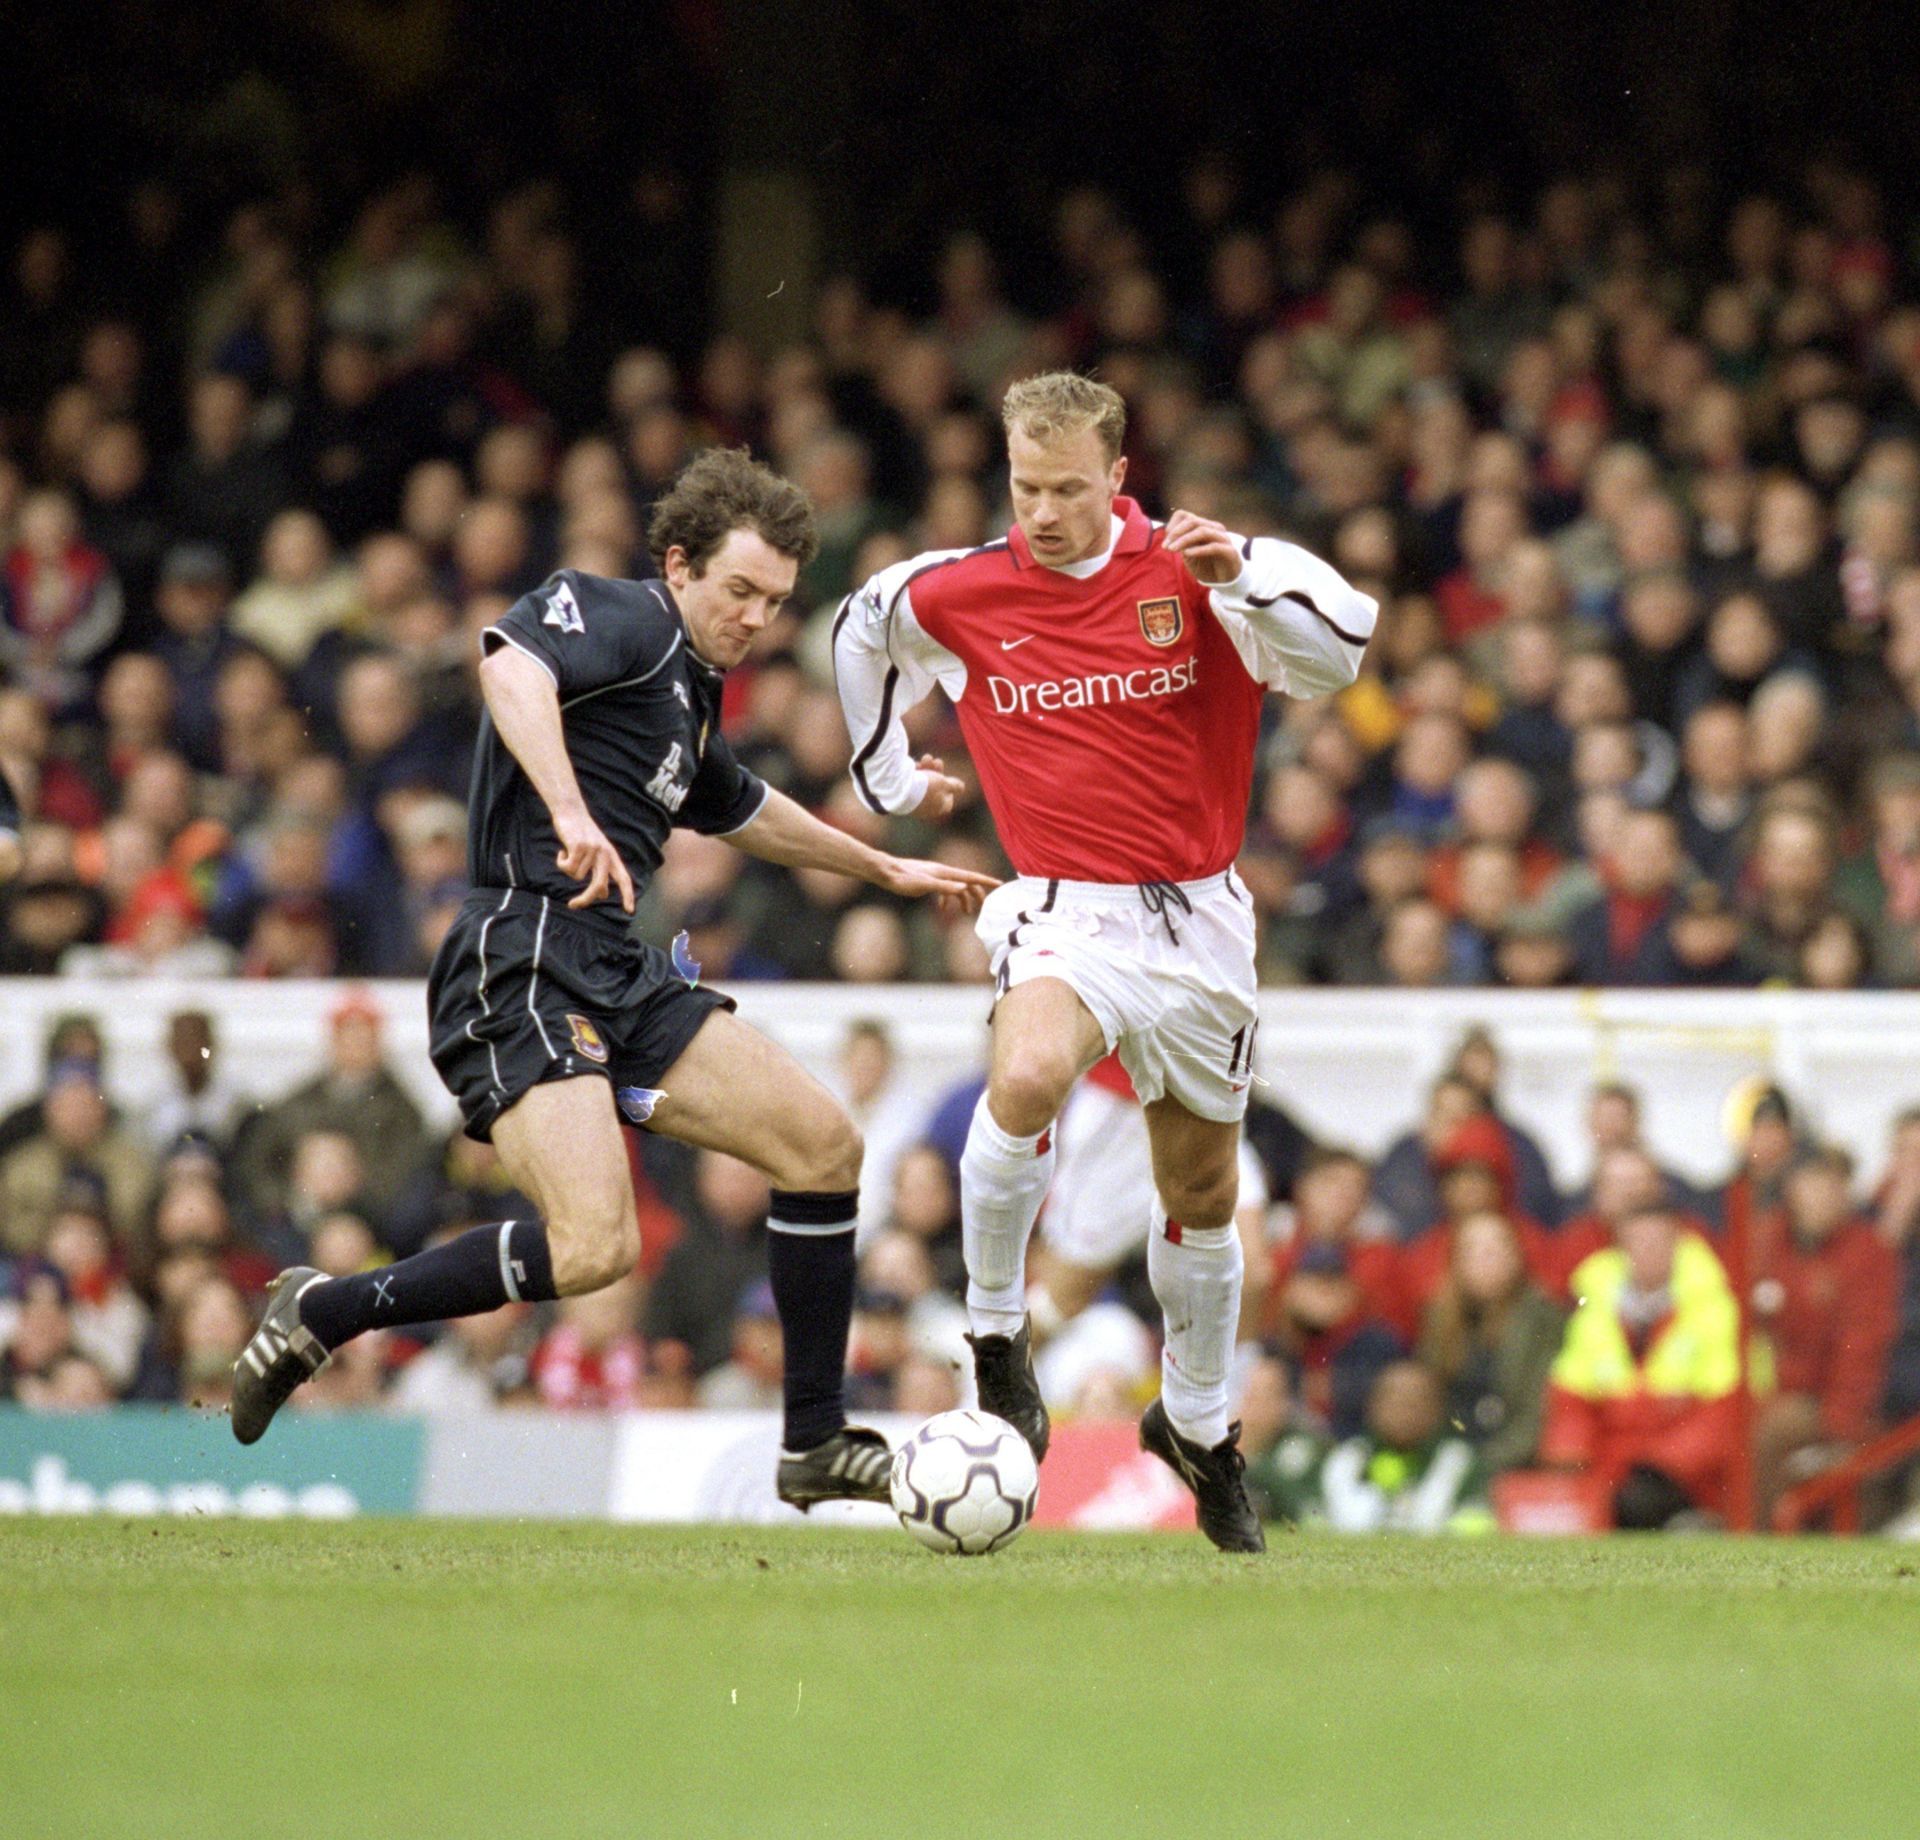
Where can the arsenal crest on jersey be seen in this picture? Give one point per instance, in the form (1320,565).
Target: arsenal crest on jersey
(1161,619)
(587,1039)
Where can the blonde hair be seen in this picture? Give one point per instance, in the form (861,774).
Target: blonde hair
(1057,403)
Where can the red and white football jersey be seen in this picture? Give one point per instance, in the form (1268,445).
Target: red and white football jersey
(1112,707)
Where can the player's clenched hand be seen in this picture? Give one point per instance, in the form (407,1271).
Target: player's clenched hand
(957,890)
(942,789)
(1208,548)
(587,856)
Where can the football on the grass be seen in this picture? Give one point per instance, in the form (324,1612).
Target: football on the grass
(965,1482)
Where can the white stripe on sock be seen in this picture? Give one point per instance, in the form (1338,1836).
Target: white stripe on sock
(506,1262)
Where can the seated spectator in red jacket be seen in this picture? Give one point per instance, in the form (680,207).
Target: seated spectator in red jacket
(1475,1170)
(1825,1301)
(1641,1396)
(1331,1207)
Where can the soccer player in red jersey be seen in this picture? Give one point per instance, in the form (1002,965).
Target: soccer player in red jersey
(1108,674)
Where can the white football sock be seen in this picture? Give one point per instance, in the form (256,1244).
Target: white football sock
(1003,1180)
(1196,1277)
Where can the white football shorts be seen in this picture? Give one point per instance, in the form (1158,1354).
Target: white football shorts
(1171,985)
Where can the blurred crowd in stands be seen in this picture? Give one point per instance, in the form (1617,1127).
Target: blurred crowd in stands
(1408,1335)
(1636,479)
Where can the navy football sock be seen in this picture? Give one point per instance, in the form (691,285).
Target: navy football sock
(467,1276)
(810,1261)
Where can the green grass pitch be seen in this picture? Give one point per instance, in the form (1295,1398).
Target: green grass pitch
(228,1678)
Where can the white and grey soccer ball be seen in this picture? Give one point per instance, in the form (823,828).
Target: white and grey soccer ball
(965,1483)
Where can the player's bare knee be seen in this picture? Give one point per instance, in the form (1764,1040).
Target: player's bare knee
(1206,1198)
(1026,1092)
(823,1158)
(837,1156)
(593,1244)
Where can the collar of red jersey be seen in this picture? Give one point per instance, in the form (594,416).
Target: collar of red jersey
(1136,533)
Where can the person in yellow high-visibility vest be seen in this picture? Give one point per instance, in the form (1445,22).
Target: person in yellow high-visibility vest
(1641,1395)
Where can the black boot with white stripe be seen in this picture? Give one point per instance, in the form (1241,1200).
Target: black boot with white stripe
(1217,1478)
(282,1354)
(852,1465)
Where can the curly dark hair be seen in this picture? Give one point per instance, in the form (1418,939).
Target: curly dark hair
(726,489)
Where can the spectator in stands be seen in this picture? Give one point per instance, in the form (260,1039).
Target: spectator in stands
(36,1331)
(477,1364)
(899,1264)
(879,1346)
(109,1322)
(195,643)
(1641,1392)
(1474,1172)
(192,1230)
(889,1116)
(1402,1473)
(62,604)
(1826,1298)
(749,1379)
(722,1254)
(204,1102)
(224,488)
(302,591)
(79,1137)
(72,1036)
(205,1331)
(1336,1304)
(1490,1335)
(926,1207)
(1403,1178)
(327,1177)
(1477,1061)
(1622,939)
(1758,1187)
(1281,1441)
(356,1095)
(593,1359)
(1626,1180)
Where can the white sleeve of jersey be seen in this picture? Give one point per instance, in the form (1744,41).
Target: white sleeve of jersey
(883,664)
(1297,625)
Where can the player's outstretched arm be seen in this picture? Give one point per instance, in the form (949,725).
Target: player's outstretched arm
(883,664)
(1299,625)
(525,705)
(785,833)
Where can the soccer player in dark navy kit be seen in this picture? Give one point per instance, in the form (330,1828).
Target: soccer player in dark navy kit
(551,1022)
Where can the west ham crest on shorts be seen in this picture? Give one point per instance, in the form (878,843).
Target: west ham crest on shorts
(1161,619)
(587,1040)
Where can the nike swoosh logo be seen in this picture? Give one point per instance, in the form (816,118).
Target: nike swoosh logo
(1007,645)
